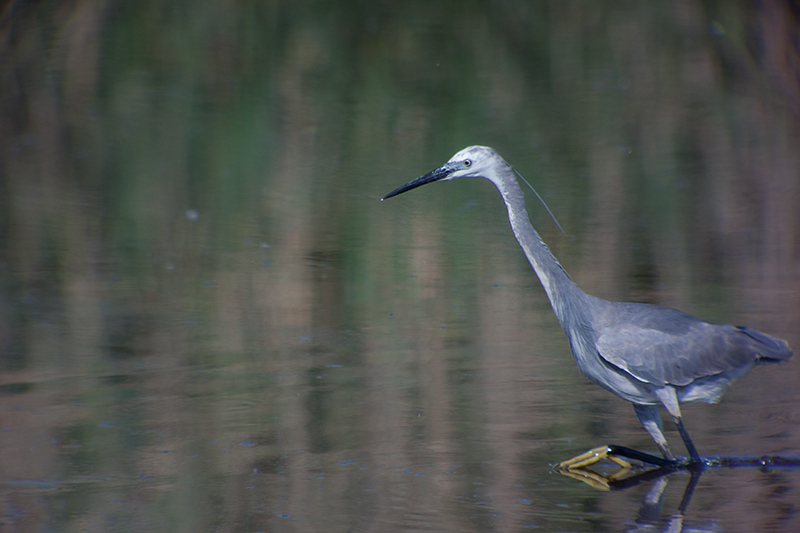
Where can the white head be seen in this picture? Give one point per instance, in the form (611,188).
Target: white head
(471,162)
(475,162)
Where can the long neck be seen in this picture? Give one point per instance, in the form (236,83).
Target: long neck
(566,298)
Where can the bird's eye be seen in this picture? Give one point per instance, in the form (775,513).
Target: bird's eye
(467,163)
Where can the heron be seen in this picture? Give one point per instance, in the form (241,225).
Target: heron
(647,354)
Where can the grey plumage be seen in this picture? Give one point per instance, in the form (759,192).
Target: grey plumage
(646,354)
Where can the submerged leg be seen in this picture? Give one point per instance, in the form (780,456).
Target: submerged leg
(650,418)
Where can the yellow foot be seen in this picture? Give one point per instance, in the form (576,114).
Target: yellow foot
(578,468)
(592,457)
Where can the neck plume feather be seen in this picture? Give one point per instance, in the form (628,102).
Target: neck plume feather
(560,288)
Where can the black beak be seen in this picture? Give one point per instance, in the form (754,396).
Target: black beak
(436,175)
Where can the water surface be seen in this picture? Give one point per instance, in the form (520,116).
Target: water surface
(209,322)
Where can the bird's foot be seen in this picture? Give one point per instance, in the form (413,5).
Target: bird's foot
(594,456)
(578,468)
(618,455)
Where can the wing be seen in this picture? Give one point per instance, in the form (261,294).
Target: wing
(661,346)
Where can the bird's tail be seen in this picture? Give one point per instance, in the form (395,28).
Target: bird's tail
(769,349)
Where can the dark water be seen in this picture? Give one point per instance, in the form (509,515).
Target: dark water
(208,321)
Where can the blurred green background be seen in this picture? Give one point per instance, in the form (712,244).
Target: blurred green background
(209,322)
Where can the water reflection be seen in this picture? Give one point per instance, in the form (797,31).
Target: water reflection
(209,322)
(650,516)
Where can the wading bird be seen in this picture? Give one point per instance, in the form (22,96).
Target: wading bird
(646,354)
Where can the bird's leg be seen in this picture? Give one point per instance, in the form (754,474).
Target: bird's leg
(669,399)
(650,418)
(695,457)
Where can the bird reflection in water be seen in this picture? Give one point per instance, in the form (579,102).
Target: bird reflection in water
(650,516)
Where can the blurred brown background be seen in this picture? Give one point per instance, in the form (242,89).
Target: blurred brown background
(208,321)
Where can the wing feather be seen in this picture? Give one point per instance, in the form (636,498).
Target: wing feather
(661,346)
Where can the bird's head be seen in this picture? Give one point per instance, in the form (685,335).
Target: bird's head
(471,162)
